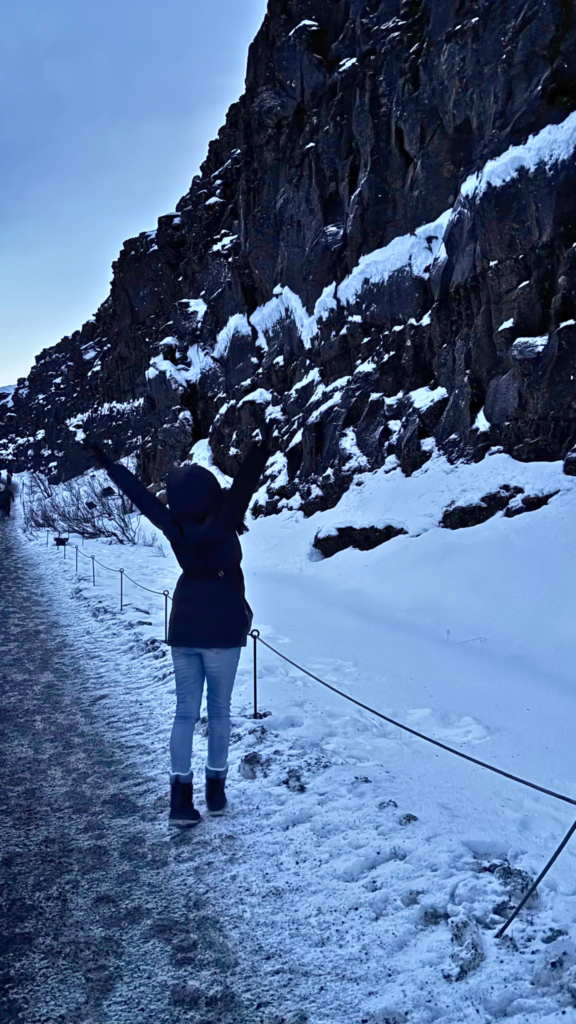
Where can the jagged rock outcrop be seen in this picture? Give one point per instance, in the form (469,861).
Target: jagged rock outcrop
(510,500)
(363,538)
(379,254)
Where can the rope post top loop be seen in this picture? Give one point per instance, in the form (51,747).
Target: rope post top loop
(255,634)
(166,593)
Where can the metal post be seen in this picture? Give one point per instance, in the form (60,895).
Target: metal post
(76,546)
(166,596)
(47,537)
(121,589)
(93,571)
(64,546)
(533,887)
(255,633)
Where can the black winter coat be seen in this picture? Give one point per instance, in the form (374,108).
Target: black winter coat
(201,523)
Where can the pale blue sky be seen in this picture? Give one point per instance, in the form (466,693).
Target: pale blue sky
(106,111)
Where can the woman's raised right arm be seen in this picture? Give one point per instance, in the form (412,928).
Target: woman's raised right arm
(148,504)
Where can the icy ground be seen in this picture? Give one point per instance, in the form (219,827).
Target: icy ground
(364,871)
(93,925)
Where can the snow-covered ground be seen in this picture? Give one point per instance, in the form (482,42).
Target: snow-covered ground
(365,871)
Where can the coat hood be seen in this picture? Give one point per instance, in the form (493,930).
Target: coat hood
(193,493)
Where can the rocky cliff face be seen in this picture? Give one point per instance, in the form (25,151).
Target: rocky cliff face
(378,255)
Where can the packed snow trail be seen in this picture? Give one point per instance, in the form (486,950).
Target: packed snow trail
(96,923)
(366,873)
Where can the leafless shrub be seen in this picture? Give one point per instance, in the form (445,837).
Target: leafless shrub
(152,541)
(40,485)
(84,507)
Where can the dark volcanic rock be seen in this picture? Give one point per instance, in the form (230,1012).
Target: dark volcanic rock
(362,122)
(362,537)
(528,503)
(459,517)
(570,463)
(510,500)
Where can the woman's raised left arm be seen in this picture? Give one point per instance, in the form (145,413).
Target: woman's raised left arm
(246,481)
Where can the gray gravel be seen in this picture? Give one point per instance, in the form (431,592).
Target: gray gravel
(96,924)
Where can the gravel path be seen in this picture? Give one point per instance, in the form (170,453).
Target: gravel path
(97,922)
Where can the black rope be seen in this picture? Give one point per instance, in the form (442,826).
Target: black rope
(126,576)
(159,592)
(421,735)
(107,567)
(255,634)
(535,884)
(372,711)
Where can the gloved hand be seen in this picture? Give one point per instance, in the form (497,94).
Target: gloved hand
(96,452)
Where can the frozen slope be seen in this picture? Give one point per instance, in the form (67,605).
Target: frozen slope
(354,909)
(475,622)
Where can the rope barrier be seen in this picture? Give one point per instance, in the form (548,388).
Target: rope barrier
(81,552)
(107,567)
(420,735)
(123,571)
(123,575)
(255,634)
(160,593)
(535,884)
(126,576)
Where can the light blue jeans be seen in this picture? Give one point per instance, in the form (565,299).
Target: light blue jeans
(193,665)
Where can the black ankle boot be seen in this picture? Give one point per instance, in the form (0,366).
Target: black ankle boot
(182,810)
(215,796)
